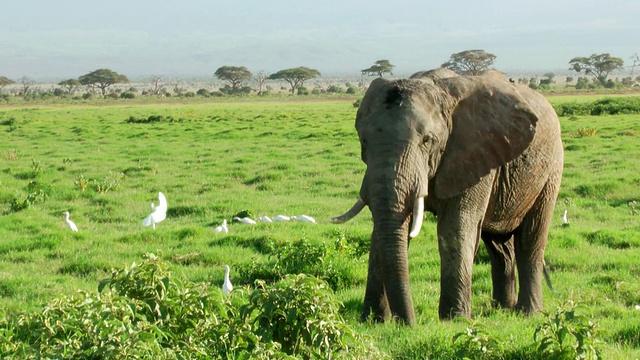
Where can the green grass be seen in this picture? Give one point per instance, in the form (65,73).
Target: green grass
(282,157)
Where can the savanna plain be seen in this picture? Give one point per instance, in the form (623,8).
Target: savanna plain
(105,162)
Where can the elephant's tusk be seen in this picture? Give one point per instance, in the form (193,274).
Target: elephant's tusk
(355,210)
(418,214)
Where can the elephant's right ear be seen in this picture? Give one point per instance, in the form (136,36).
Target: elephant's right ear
(490,127)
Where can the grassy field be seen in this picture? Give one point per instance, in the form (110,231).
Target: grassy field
(105,165)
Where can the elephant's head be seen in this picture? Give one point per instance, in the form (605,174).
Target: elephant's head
(437,134)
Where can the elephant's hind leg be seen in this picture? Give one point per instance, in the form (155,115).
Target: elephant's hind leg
(530,243)
(503,276)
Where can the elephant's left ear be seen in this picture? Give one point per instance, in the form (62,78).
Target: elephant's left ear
(491,127)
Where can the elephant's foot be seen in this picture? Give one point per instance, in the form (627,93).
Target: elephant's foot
(376,314)
(451,312)
(529,307)
(504,295)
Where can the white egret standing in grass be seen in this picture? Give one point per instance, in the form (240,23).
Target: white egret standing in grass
(245,220)
(304,218)
(158,213)
(565,221)
(70,223)
(280,218)
(265,219)
(222,228)
(227,286)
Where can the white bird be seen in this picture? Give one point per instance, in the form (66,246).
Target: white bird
(222,228)
(158,213)
(280,218)
(565,221)
(70,223)
(304,218)
(637,307)
(227,286)
(265,219)
(245,220)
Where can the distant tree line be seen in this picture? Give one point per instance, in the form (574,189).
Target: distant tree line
(468,62)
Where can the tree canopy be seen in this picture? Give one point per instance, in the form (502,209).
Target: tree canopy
(4,81)
(102,78)
(70,84)
(235,75)
(380,68)
(598,65)
(295,76)
(470,62)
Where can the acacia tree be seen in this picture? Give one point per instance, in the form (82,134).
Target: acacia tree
(26,84)
(470,62)
(295,76)
(102,79)
(380,68)
(155,82)
(635,58)
(598,65)
(260,77)
(4,81)
(235,75)
(70,84)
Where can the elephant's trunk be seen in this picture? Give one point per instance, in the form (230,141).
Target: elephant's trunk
(396,201)
(391,243)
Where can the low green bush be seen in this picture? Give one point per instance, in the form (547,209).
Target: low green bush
(606,106)
(331,264)
(565,334)
(144,312)
(151,119)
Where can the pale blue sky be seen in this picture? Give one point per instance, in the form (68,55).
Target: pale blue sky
(69,38)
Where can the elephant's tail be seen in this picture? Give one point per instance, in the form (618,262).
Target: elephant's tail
(547,278)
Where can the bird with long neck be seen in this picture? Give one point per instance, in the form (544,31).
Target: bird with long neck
(227,286)
(70,223)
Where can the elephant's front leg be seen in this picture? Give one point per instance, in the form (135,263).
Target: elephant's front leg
(459,228)
(375,298)
(456,257)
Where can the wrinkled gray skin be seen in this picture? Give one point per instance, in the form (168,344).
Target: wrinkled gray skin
(486,157)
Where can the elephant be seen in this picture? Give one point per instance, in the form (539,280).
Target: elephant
(483,155)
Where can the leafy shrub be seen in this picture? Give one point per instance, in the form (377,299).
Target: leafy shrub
(352,90)
(82,183)
(335,89)
(302,90)
(302,315)
(606,106)
(110,182)
(11,121)
(22,202)
(203,92)
(476,343)
(128,95)
(331,264)
(585,132)
(567,335)
(151,119)
(143,312)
